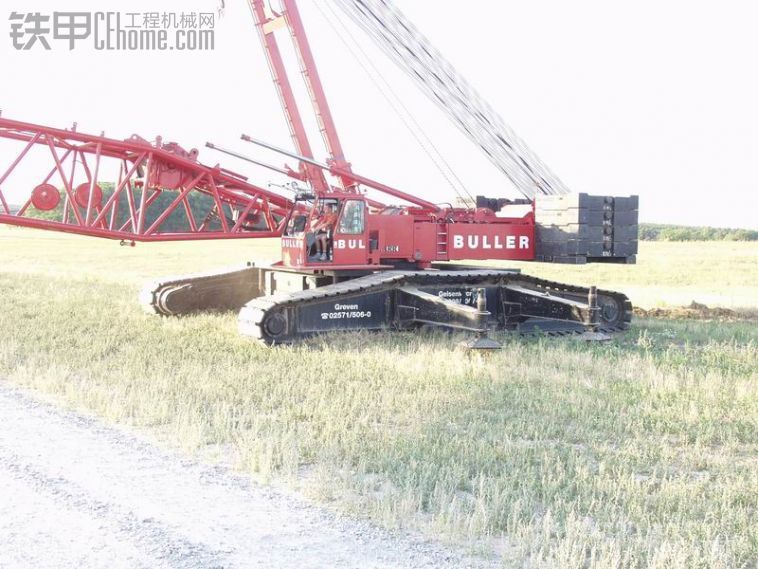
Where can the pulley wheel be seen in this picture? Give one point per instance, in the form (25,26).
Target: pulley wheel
(45,197)
(81,195)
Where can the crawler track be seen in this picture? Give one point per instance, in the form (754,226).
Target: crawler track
(225,289)
(390,301)
(283,318)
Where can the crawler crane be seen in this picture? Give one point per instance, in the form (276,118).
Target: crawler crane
(392,260)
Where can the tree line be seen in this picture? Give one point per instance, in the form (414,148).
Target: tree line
(665,232)
(200,204)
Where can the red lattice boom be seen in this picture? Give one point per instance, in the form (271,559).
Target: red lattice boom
(238,209)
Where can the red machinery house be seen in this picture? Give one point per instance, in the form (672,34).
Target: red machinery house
(365,236)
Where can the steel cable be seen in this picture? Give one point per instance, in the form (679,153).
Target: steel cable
(400,109)
(404,44)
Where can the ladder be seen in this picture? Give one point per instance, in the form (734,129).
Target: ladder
(442,252)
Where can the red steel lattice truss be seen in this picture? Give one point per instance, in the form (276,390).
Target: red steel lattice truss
(238,208)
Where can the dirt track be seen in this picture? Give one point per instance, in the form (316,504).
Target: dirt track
(77,493)
(697,311)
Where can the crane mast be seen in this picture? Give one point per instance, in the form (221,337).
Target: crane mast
(268,22)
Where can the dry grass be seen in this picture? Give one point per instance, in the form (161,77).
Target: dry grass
(639,453)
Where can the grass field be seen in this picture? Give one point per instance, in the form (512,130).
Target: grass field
(551,453)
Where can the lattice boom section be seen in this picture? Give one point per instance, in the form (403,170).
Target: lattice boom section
(160,192)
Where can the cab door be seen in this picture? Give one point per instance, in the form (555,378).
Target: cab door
(350,242)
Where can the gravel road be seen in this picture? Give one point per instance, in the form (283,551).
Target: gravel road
(75,492)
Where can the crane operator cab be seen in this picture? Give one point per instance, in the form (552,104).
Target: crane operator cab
(322,230)
(326,230)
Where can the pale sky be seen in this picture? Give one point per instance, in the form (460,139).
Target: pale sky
(651,98)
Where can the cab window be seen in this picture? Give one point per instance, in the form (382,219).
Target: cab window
(353,217)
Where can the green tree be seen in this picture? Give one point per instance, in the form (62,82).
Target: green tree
(200,204)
